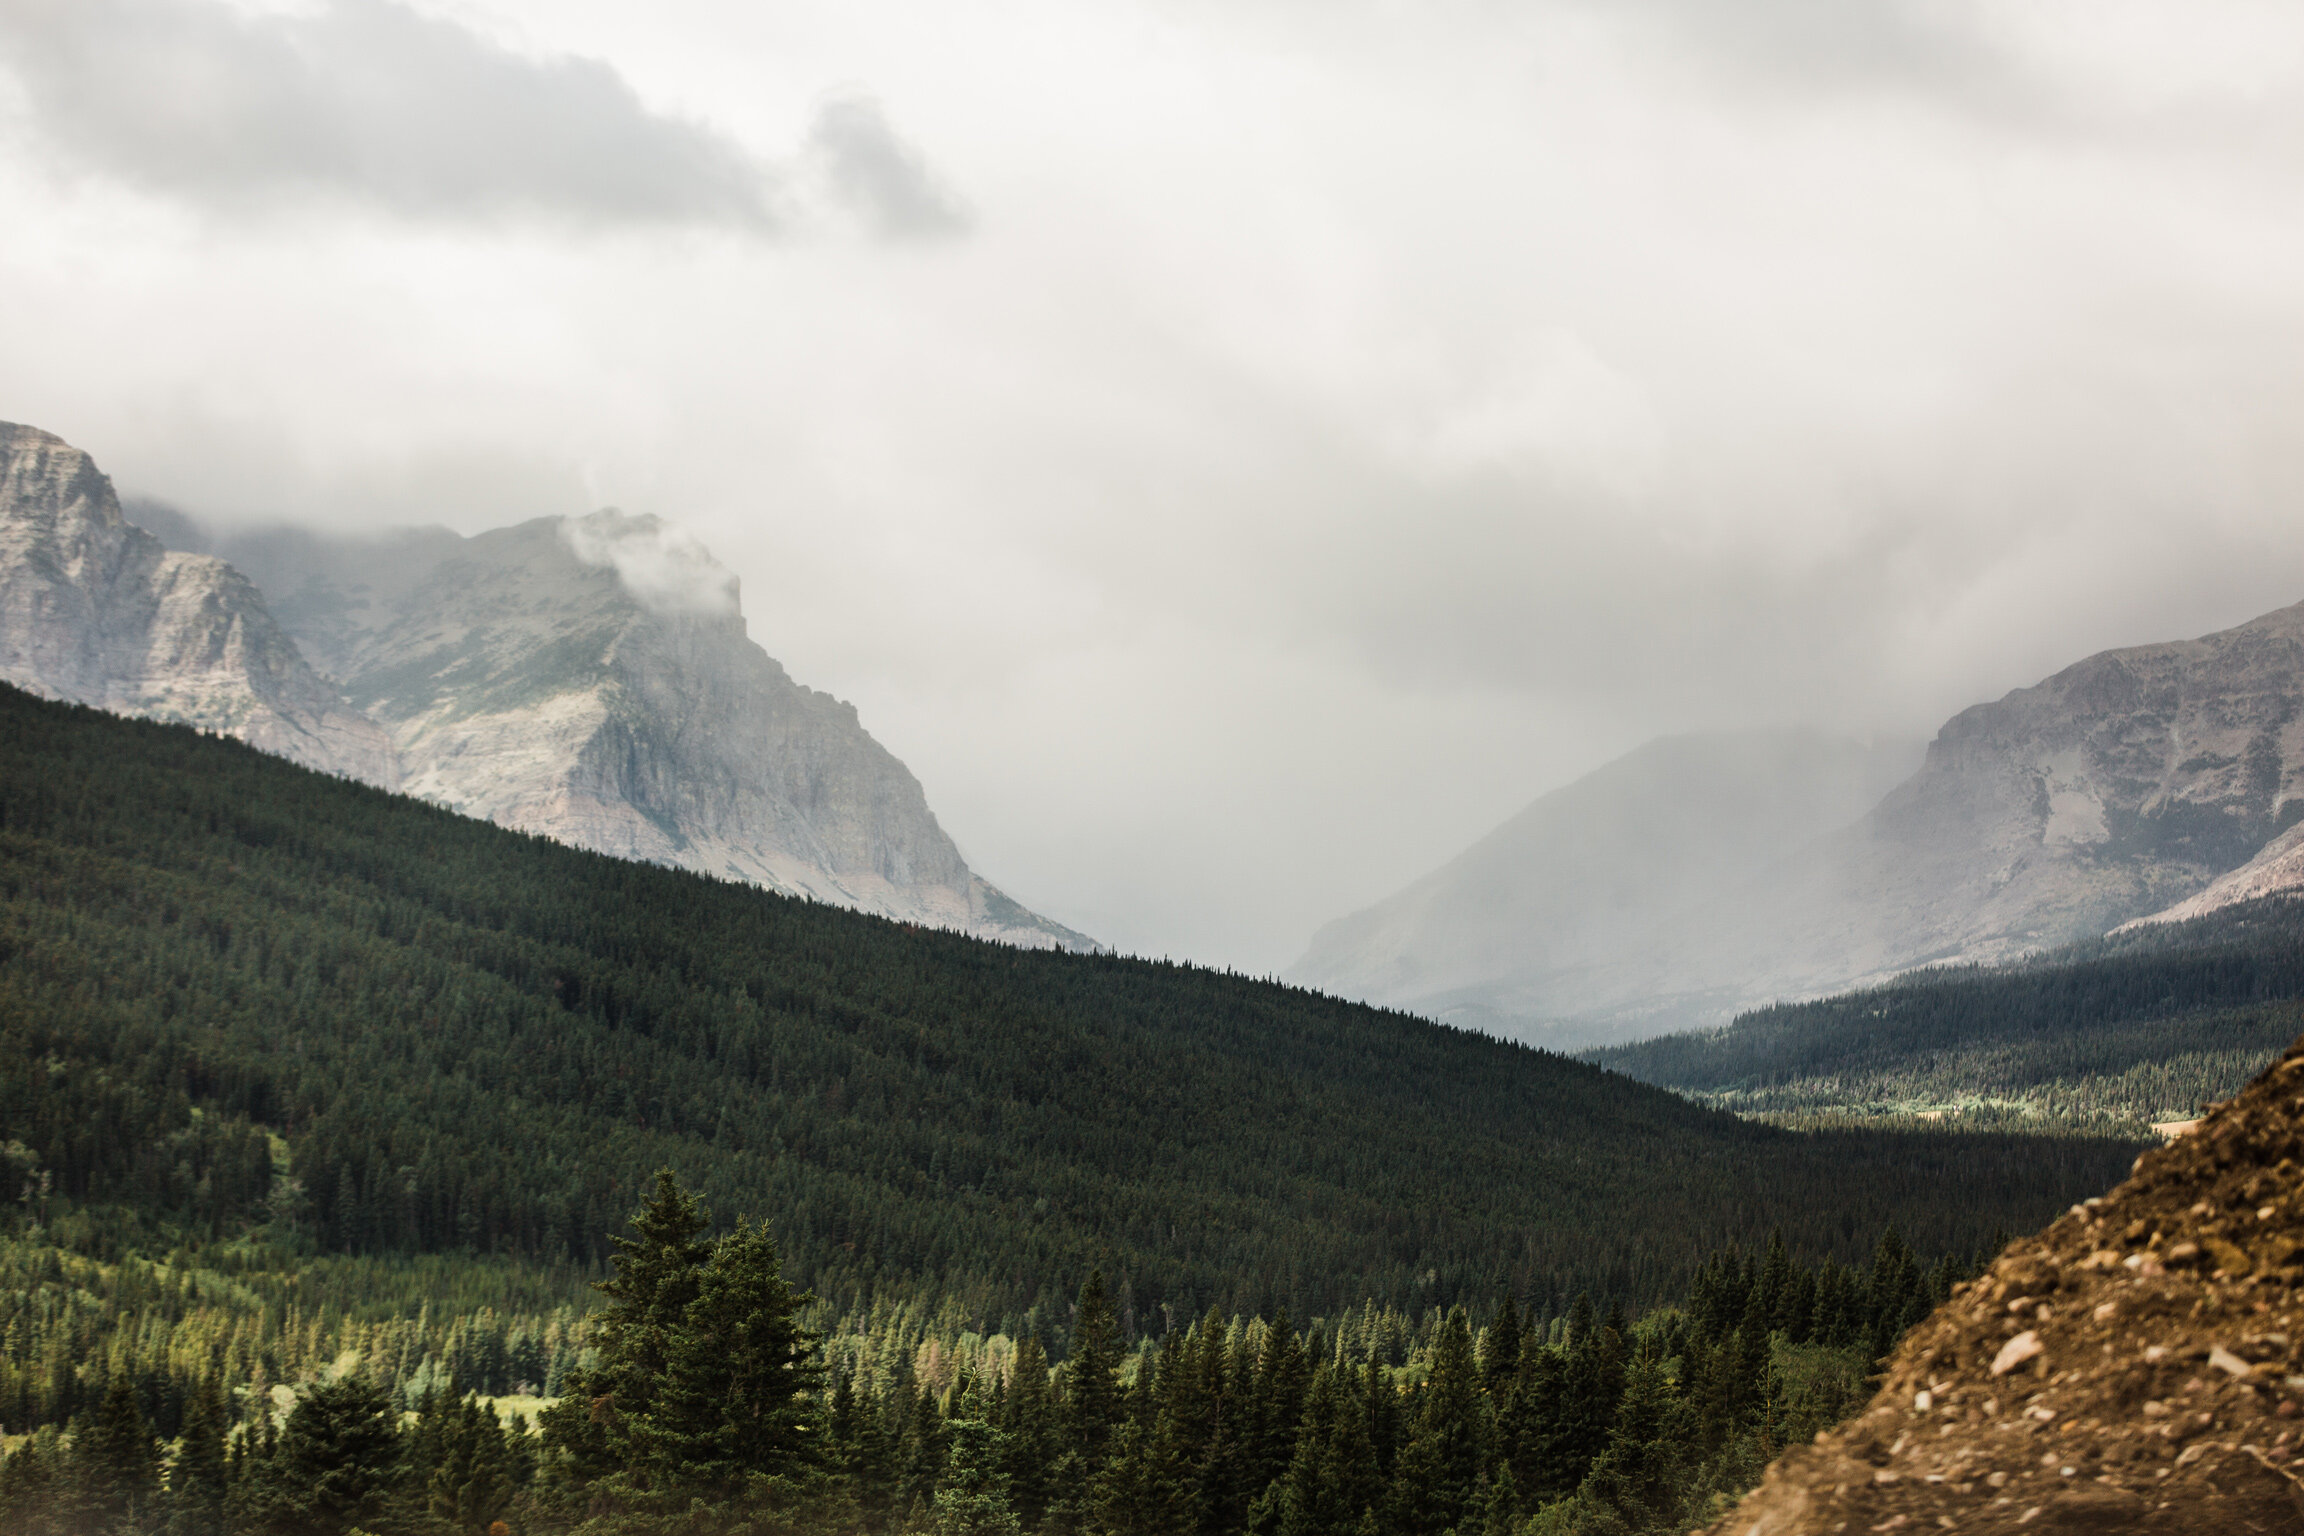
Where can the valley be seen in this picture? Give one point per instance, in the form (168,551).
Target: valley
(325,1101)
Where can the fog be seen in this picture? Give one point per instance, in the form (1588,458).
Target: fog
(1234,454)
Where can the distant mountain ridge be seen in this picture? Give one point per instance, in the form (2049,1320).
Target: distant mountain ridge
(1560,914)
(2149,783)
(589,679)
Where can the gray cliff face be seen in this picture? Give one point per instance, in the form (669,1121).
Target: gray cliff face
(2122,785)
(96,611)
(591,679)
(2142,784)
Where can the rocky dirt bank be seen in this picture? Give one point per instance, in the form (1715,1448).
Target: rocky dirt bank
(2137,1366)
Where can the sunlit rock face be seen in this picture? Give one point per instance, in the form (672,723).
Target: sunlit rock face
(1696,878)
(93,609)
(591,679)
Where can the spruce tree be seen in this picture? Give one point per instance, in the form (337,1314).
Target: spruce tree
(1092,1403)
(1638,1475)
(200,1477)
(334,1465)
(734,1399)
(1034,1435)
(1448,1444)
(31,1486)
(972,1498)
(472,1483)
(1503,1358)
(658,1271)
(115,1461)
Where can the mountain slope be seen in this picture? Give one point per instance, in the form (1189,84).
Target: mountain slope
(2117,787)
(1553,924)
(474,1040)
(94,610)
(2142,1026)
(2121,788)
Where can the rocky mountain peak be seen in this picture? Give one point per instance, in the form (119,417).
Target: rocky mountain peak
(591,678)
(588,678)
(94,610)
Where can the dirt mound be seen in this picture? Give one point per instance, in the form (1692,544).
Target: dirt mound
(2138,1366)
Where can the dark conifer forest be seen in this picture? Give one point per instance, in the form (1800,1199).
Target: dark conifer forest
(327,1115)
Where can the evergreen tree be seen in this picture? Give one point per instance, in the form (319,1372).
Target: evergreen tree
(1498,1505)
(333,1466)
(972,1498)
(1283,1376)
(1033,1433)
(471,1484)
(34,1499)
(1502,1361)
(199,1479)
(1638,1475)
(657,1273)
(659,1270)
(1331,1479)
(733,1402)
(115,1461)
(1092,1404)
(1447,1449)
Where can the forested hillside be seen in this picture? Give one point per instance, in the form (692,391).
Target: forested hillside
(236,995)
(175,1399)
(2145,1025)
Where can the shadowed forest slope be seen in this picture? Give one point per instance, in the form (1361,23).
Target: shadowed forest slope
(2146,1025)
(234,992)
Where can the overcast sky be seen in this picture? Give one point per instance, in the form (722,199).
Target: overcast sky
(1235,453)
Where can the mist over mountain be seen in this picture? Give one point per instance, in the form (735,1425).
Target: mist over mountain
(1553,922)
(590,679)
(2157,781)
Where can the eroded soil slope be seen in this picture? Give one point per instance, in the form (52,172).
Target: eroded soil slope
(2137,1366)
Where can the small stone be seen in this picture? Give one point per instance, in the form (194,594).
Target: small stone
(2229,1363)
(2016,1351)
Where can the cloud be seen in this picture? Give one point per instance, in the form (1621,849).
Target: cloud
(876,177)
(367,101)
(664,568)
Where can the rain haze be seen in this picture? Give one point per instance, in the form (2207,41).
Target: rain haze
(1234,454)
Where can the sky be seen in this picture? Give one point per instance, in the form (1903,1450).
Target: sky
(1234,453)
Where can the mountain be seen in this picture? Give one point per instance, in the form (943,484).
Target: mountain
(589,679)
(464,1040)
(592,679)
(1554,923)
(2129,1368)
(94,610)
(2121,788)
